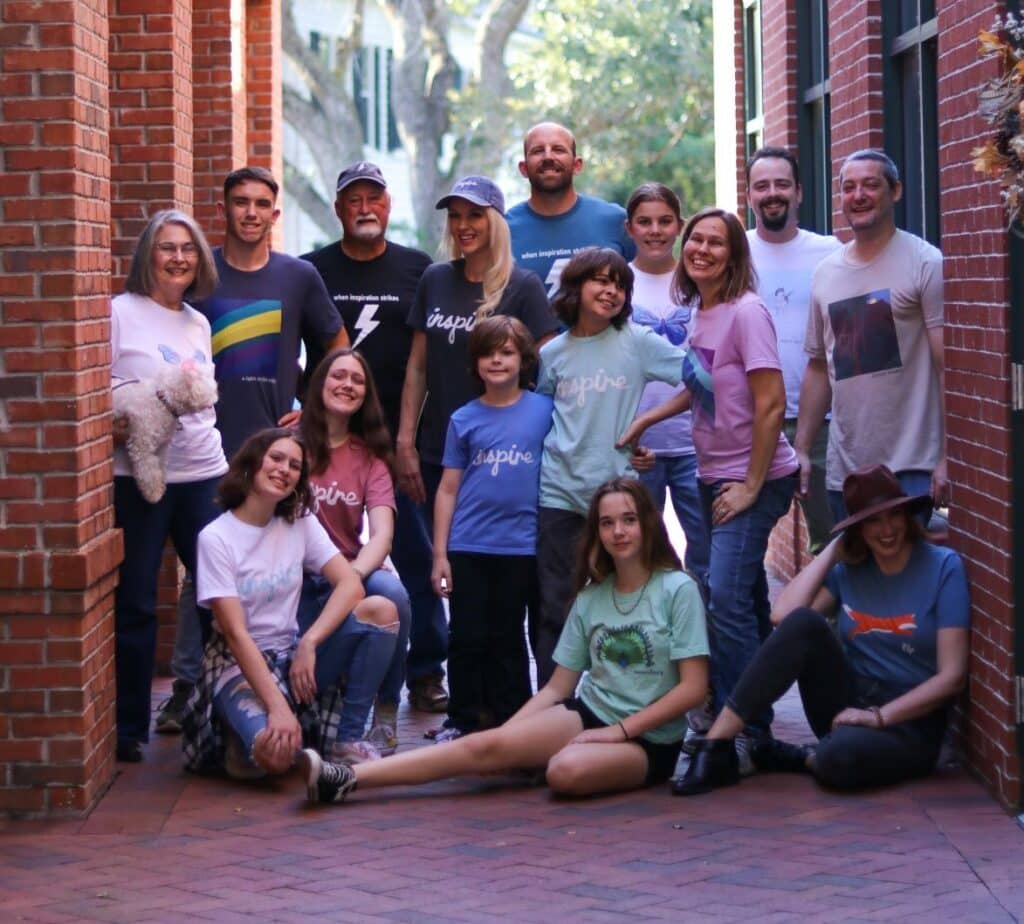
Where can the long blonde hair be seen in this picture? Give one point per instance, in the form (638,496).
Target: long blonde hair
(499,271)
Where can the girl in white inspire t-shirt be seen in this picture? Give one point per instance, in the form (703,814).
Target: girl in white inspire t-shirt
(264,692)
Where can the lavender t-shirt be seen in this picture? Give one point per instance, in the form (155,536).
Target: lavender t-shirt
(727,342)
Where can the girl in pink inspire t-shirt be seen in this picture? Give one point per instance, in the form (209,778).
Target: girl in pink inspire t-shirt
(350,473)
(745,468)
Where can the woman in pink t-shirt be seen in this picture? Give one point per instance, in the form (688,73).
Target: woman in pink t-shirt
(350,461)
(745,467)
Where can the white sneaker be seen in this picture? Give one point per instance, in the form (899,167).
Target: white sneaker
(353,752)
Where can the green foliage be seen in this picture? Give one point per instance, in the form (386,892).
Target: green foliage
(634,82)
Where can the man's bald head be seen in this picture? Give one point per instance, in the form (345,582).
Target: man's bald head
(547,130)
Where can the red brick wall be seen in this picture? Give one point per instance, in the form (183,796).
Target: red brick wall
(151,117)
(977,393)
(781,106)
(976,339)
(263,72)
(220,103)
(58,547)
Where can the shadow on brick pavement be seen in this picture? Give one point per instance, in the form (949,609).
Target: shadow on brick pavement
(166,846)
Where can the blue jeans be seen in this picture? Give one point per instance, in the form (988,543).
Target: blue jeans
(187,658)
(738,607)
(386,584)
(678,475)
(357,653)
(180,514)
(913,481)
(413,555)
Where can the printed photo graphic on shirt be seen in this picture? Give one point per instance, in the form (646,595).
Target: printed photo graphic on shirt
(453,323)
(497,457)
(697,366)
(574,389)
(863,623)
(865,335)
(674,327)
(625,646)
(245,336)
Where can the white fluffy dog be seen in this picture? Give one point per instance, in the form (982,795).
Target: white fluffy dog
(152,408)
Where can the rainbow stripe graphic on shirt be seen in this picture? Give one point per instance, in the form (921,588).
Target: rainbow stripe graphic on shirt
(246,336)
(697,365)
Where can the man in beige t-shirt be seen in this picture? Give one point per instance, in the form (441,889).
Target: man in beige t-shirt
(874,342)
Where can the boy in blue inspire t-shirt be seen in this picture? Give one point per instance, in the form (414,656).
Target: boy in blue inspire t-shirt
(485,529)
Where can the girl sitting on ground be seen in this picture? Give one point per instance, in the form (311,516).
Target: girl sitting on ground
(485,529)
(350,461)
(264,693)
(635,636)
(877,696)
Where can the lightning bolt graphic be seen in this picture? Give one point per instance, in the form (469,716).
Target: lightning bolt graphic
(365,323)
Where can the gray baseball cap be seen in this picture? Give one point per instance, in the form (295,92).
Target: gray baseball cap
(363,170)
(476,189)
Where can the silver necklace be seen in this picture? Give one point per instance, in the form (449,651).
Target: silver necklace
(636,603)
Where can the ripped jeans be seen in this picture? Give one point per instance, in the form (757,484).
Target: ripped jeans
(357,654)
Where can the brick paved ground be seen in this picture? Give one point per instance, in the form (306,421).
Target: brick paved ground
(163,846)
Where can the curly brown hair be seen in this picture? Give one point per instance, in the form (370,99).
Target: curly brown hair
(368,423)
(236,484)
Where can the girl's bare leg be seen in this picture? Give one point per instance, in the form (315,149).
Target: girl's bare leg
(526,743)
(583,769)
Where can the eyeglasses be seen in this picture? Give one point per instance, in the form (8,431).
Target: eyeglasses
(169,250)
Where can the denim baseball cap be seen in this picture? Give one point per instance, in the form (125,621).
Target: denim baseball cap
(476,189)
(363,170)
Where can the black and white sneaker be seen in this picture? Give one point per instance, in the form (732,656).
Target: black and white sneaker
(325,781)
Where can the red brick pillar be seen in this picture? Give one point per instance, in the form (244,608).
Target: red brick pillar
(151,116)
(58,547)
(263,82)
(855,75)
(977,353)
(220,103)
(779,59)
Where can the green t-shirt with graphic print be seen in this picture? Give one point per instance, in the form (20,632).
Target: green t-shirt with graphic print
(629,652)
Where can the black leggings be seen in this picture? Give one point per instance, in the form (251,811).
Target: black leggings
(804,649)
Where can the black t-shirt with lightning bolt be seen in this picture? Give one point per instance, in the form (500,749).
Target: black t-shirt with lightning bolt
(374,298)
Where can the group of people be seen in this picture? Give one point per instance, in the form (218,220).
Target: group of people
(510,422)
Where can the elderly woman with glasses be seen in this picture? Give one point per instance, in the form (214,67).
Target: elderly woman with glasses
(153,325)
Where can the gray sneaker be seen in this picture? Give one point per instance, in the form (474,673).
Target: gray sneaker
(325,781)
(172,709)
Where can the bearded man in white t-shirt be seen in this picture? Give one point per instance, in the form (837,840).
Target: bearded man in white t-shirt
(785,257)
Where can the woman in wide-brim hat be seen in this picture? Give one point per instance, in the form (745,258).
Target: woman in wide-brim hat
(876,697)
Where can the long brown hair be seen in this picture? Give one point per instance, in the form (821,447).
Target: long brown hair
(237,483)
(740,276)
(367,423)
(594,563)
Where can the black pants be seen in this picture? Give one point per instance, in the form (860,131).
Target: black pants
(804,649)
(488,667)
(558,539)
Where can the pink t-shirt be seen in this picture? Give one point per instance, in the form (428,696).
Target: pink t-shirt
(727,342)
(354,480)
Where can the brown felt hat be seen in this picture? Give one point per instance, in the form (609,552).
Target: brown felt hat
(871,490)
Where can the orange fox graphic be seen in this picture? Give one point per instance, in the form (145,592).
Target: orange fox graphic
(864,622)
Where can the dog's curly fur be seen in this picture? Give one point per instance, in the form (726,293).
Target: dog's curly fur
(152,408)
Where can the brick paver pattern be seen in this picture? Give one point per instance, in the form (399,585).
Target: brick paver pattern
(166,846)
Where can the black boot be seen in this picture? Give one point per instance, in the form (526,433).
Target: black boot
(714,764)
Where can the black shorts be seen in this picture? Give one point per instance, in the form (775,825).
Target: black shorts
(661,758)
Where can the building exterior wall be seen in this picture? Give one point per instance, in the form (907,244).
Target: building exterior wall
(97,133)
(977,330)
